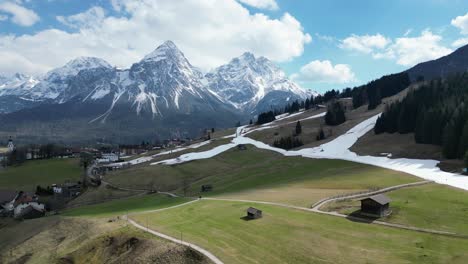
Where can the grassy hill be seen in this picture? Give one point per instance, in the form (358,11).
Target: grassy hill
(290,236)
(40,172)
(262,175)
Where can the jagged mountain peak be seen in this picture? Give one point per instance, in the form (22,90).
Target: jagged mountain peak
(247,81)
(167,50)
(74,66)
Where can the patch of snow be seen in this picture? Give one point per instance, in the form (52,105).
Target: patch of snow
(100,94)
(197,155)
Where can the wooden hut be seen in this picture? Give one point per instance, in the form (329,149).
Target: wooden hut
(253,213)
(207,188)
(376,206)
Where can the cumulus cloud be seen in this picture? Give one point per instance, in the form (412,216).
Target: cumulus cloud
(261,4)
(19,14)
(461,22)
(409,51)
(406,51)
(208,32)
(460,42)
(90,18)
(365,43)
(325,72)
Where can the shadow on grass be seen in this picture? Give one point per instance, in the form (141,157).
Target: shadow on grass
(246,218)
(356,216)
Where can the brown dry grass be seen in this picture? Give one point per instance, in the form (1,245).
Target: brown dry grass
(78,240)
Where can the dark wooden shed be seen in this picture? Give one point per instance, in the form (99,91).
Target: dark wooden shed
(207,188)
(253,213)
(376,206)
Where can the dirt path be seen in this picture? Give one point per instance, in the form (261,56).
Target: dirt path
(203,251)
(324,201)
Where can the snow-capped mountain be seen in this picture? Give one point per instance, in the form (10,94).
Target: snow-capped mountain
(11,92)
(10,85)
(253,84)
(162,92)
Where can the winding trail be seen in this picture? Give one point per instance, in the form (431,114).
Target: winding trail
(203,251)
(324,201)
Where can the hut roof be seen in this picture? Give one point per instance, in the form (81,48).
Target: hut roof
(7,196)
(380,199)
(252,210)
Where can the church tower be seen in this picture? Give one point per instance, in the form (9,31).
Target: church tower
(11,146)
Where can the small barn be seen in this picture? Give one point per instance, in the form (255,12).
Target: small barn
(376,206)
(253,213)
(241,147)
(207,188)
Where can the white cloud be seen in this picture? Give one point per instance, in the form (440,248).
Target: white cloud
(406,51)
(461,22)
(19,14)
(460,42)
(93,16)
(261,4)
(365,43)
(324,71)
(409,51)
(208,32)
(326,38)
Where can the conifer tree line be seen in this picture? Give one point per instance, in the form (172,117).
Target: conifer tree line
(374,91)
(335,114)
(266,117)
(437,113)
(288,143)
(295,106)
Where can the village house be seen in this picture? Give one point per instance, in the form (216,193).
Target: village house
(20,205)
(108,158)
(376,206)
(9,148)
(207,188)
(67,190)
(29,210)
(129,150)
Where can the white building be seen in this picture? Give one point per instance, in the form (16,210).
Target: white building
(108,157)
(10,146)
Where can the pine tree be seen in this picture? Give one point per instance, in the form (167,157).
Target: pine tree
(466,159)
(307,104)
(463,147)
(298,128)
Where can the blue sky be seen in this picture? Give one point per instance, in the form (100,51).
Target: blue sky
(320,44)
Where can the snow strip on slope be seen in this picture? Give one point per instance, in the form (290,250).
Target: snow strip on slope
(197,155)
(149,158)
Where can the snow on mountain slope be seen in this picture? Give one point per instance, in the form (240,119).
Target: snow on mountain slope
(10,85)
(246,80)
(55,82)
